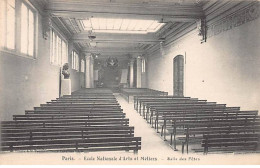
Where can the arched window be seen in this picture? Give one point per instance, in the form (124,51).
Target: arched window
(178,75)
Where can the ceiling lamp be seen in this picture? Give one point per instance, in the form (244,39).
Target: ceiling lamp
(91,37)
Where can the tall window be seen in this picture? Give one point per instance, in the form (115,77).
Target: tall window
(27,30)
(143,65)
(178,75)
(59,49)
(18,27)
(8,24)
(75,60)
(82,66)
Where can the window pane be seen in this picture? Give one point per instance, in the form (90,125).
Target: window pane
(77,62)
(64,53)
(24,29)
(56,49)
(60,52)
(10,24)
(72,60)
(53,47)
(144,65)
(31,33)
(2,22)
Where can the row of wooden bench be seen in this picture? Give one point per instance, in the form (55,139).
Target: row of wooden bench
(129,93)
(200,122)
(86,121)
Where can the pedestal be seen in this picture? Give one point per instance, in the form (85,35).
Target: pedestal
(65,87)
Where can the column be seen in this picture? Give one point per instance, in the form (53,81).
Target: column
(139,72)
(131,80)
(87,70)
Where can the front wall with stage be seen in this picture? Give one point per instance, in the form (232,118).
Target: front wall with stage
(110,75)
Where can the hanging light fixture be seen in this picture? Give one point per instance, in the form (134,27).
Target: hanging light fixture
(162,46)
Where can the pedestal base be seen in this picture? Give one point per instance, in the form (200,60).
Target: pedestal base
(65,87)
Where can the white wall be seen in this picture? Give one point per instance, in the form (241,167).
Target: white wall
(26,83)
(229,65)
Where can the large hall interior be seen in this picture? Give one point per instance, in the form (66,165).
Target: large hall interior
(132,76)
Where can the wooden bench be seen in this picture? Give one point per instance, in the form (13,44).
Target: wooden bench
(78,107)
(202,125)
(184,107)
(127,92)
(195,112)
(231,142)
(88,96)
(138,99)
(75,145)
(191,118)
(82,101)
(142,102)
(65,122)
(81,122)
(72,111)
(81,104)
(16,134)
(170,103)
(59,116)
(76,114)
(165,103)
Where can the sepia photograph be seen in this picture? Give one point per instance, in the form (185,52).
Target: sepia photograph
(129,82)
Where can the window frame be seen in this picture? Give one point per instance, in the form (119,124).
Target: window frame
(17,27)
(57,60)
(143,65)
(75,60)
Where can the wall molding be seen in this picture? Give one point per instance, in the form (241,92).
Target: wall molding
(238,18)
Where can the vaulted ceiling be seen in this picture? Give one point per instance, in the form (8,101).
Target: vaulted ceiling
(73,16)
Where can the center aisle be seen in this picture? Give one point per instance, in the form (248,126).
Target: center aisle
(152,144)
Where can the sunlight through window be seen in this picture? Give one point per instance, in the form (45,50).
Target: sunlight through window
(27,30)
(116,25)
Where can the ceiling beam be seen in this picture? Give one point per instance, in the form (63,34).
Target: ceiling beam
(118,51)
(119,57)
(81,9)
(159,17)
(116,38)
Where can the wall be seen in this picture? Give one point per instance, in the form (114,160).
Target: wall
(143,80)
(224,69)
(26,83)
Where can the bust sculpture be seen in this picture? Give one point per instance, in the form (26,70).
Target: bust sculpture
(65,71)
